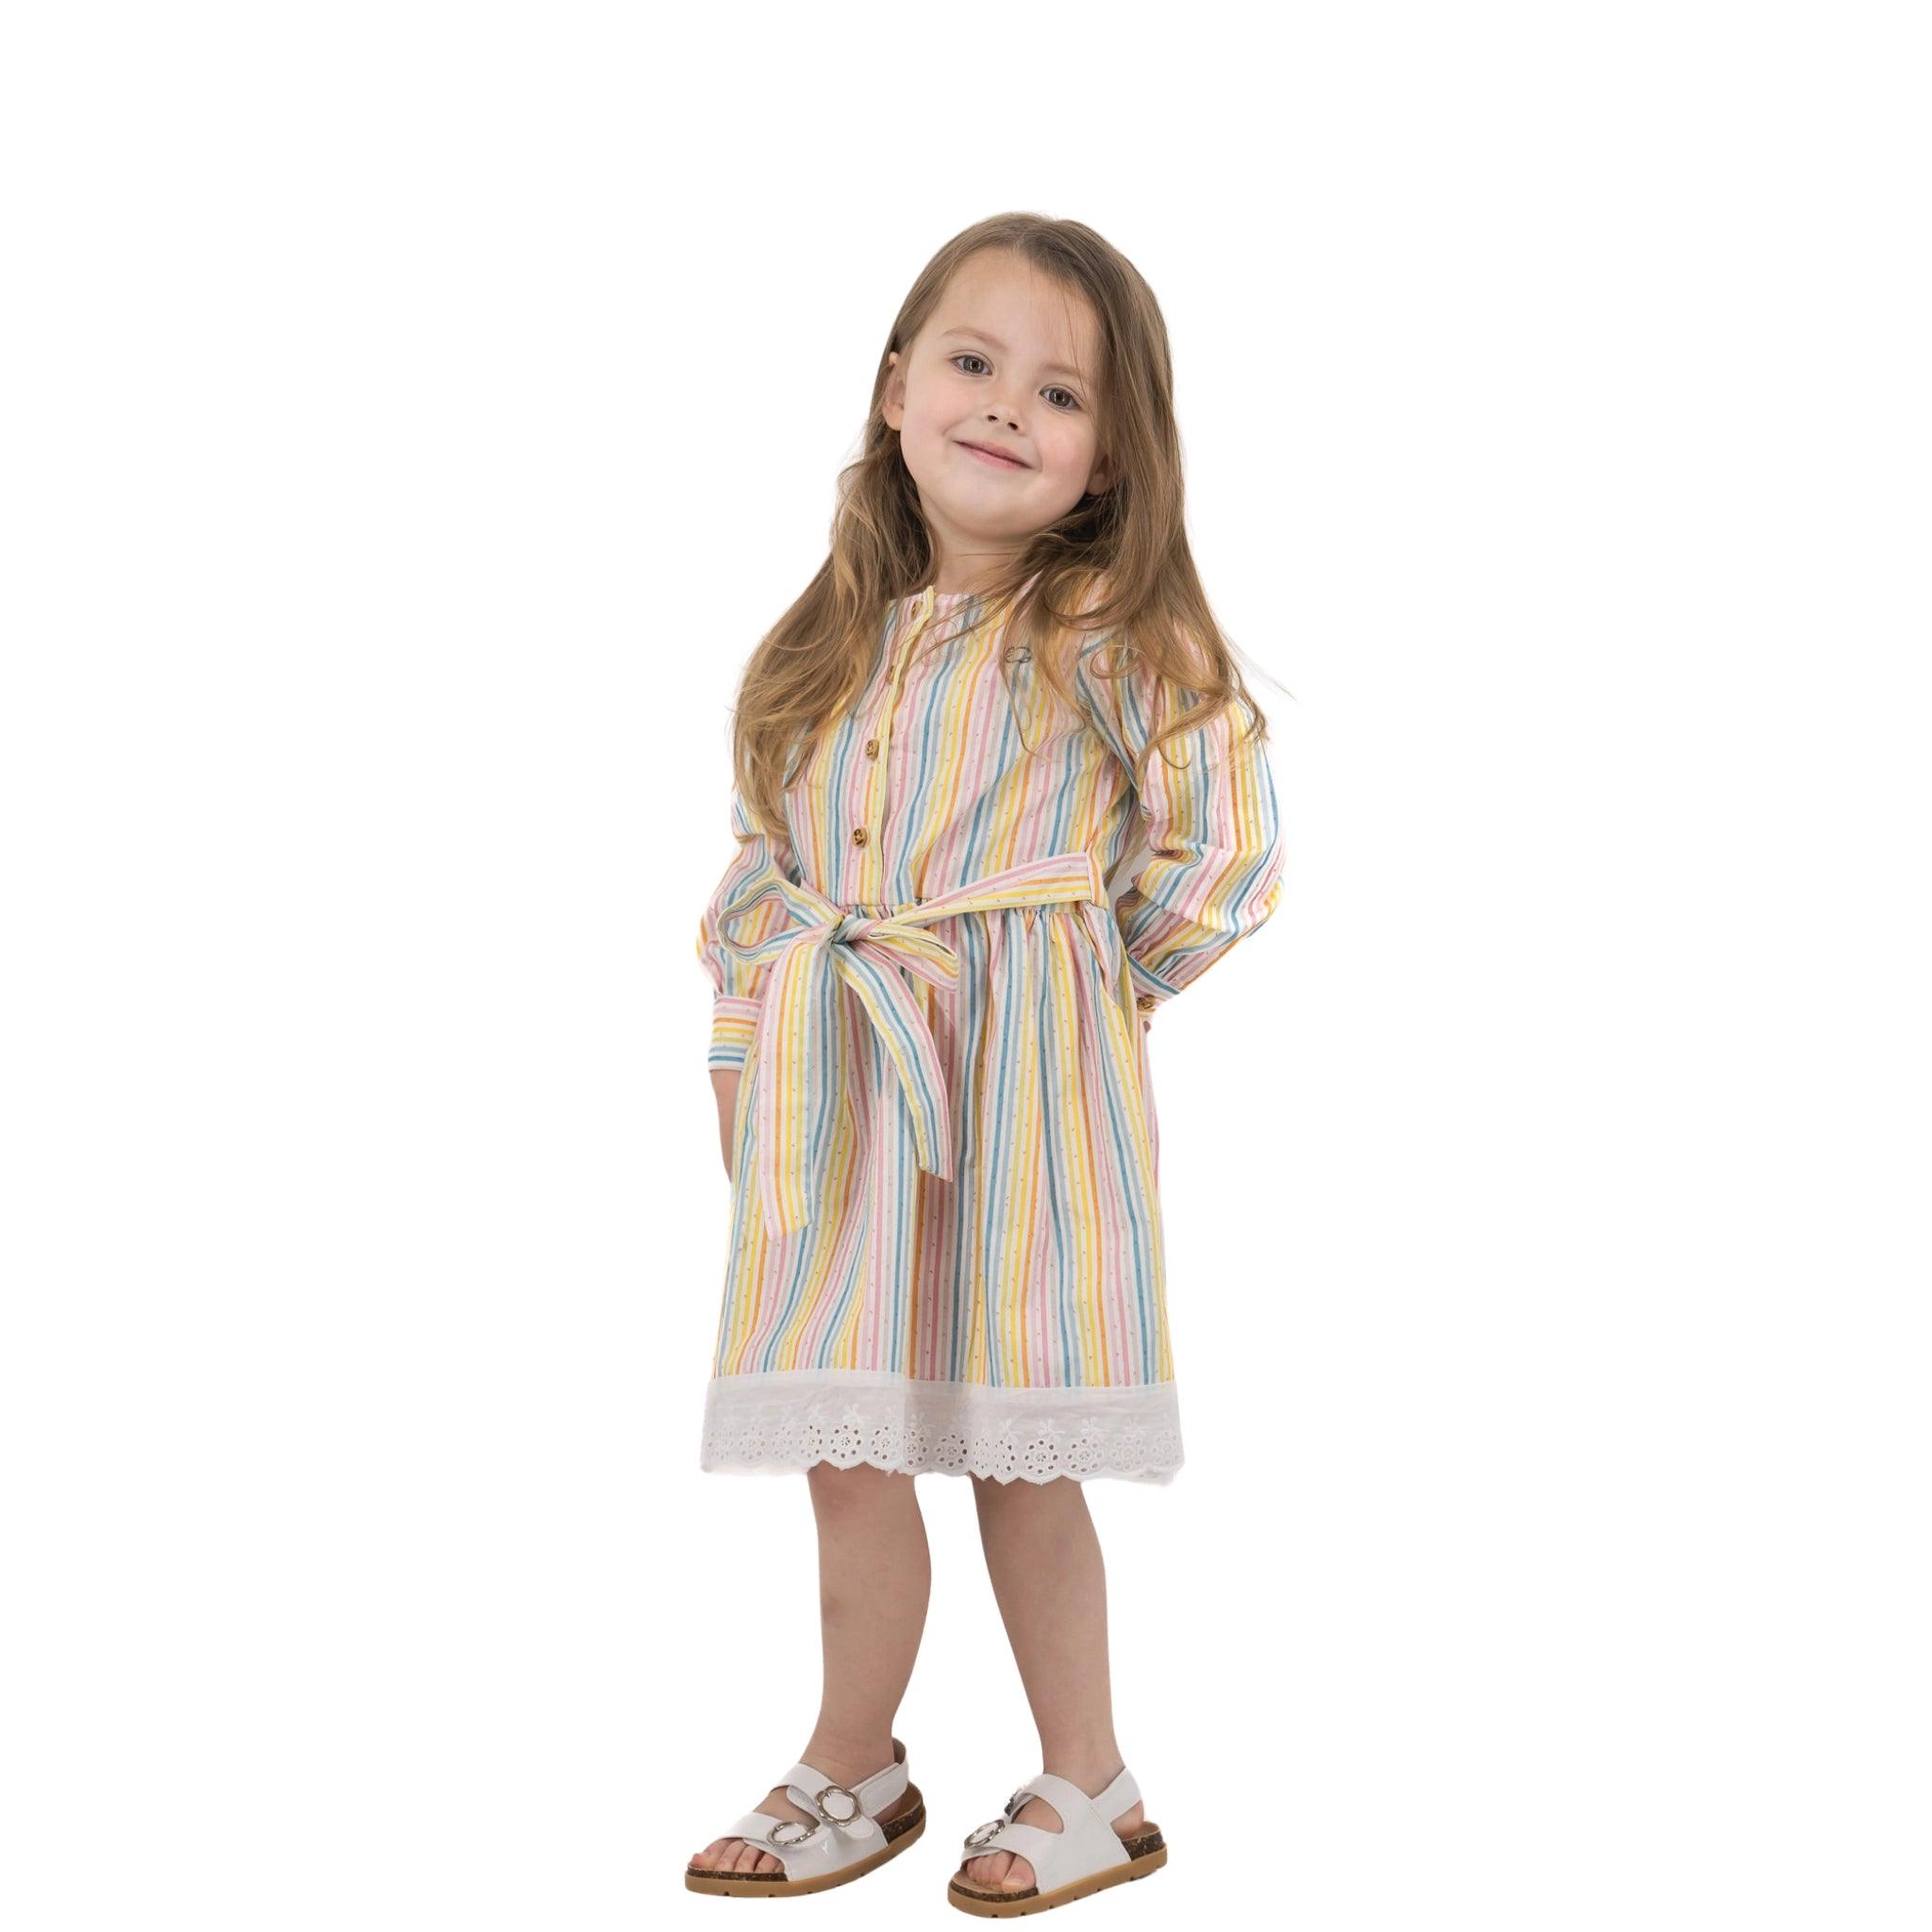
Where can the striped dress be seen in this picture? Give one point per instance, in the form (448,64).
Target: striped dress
(945,1234)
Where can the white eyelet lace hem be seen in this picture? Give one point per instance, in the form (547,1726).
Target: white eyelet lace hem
(790,1419)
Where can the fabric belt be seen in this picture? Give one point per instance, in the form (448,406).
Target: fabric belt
(800,1070)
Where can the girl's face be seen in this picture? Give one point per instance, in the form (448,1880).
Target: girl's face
(1009,361)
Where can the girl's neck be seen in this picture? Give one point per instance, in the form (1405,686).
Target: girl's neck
(972,577)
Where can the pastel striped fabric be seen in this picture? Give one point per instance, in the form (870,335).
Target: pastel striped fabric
(945,1239)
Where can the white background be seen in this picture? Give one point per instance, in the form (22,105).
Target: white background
(412,417)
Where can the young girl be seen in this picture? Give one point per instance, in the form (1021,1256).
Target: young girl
(929,1041)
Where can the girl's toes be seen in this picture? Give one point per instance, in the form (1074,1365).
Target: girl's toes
(1001,1872)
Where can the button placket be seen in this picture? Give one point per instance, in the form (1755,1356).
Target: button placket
(878,747)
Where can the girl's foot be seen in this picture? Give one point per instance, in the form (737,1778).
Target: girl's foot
(1008,1872)
(740,1855)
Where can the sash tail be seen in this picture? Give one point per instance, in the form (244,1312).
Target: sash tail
(800,1071)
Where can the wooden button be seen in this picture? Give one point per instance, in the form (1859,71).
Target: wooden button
(1146,1002)
(859,835)
(872,747)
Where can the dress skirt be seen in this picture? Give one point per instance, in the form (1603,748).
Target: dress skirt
(1008,1321)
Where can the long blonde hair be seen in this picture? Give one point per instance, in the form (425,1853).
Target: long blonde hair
(1116,563)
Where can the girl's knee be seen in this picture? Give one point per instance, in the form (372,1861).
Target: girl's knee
(1016,1494)
(862,1482)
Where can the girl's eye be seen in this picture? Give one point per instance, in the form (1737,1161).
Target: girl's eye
(1072,402)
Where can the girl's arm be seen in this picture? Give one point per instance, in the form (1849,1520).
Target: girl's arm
(737,988)
(1213,873)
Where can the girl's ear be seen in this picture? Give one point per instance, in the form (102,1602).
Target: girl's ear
(893,403)
(1099,476)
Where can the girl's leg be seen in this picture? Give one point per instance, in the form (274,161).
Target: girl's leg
(1045,1560)
(874,1578)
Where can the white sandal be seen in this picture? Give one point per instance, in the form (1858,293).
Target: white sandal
(1086,1855)
(844,1841)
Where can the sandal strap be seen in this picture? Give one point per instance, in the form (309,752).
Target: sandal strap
(1086,1841)
(979,1837)
(849,1808)
(805,1851)
(1071,1802)
(1033,1842)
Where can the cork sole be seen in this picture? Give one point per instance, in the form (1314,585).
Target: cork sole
(1146,1852)
(899,1832)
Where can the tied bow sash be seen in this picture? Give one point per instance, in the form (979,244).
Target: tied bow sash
(798,1049)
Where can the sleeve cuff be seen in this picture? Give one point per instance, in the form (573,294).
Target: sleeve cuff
(1150,992)
(734,1020)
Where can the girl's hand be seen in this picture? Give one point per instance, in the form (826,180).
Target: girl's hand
(725,1085)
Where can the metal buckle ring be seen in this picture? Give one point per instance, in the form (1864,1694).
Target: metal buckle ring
(984,1834)
(798,1825)
(832,1817)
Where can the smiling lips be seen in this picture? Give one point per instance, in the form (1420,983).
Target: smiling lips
(988,455)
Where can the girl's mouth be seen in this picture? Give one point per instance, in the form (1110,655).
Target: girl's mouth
(985,456)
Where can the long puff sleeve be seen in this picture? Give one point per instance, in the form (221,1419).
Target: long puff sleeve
(737,988)
(1208,803)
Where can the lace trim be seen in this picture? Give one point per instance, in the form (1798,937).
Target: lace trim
(793,1418)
